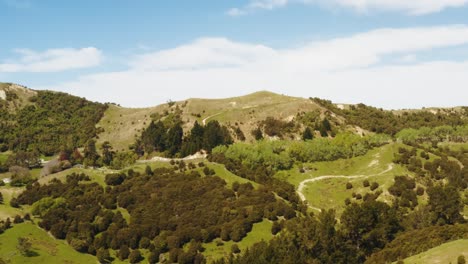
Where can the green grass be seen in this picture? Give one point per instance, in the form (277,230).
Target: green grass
(4,156)
(331,193)
(95,175)
(445,253)
(226,175)
(5,209)
(48,250)
(260,231)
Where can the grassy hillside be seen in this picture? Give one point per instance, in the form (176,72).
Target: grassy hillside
(375,166)
(121,125)
(45,248)
(445,253)
(17,96)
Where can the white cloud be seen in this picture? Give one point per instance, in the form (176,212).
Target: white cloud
(203,53)
(411,7)
(53,60)
(349,69)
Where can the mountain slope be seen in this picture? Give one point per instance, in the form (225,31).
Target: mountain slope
(121,125)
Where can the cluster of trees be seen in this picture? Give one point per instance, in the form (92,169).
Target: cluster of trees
(168,211)
(262,175)
(369,232)
(365,228)
(107,156)
(171,141)
(383,121)
(454,171)
(273,127)
(404,189)
(281,155)
(52,120)
(434,134)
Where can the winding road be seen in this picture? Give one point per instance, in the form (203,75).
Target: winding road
(206,118)
(320,178)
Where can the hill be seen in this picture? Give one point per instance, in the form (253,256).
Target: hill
(317,181)
(121,125)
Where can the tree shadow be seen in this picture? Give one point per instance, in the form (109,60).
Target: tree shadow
(31,253)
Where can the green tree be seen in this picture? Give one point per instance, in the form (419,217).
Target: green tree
(107,153)
(91,155)
(257,134)
(135,256)
(123,253)
(307,134)
(445,205)
(103,255)
(25,246)
(174,139)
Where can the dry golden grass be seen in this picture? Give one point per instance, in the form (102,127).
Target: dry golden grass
(122,125)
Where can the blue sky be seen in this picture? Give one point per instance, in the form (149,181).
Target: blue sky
(387,53)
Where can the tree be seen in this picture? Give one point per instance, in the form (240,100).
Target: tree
(124,252)
(24,246)
(26,159)
(369,225)
(257,133)
(445,205)
(235,248)
(90,153)
(365,183)
(215,135)
(107,153)
(135,256)
(20,176)
(1,198)
(103,255)
(461,259)
(148,170)
(174,139)
(307,134)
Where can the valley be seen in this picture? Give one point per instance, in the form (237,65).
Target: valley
(229,180)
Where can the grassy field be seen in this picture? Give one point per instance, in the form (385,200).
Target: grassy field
(443,254)
(95,175)
(4,156)
(47,249)
(226,175)
(260,231)
(331,193)
(5,209)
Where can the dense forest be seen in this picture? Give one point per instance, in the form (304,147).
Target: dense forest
(167,210)
(51,120)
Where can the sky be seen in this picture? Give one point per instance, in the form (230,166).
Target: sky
(387,53)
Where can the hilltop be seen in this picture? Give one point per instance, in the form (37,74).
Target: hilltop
(121,125)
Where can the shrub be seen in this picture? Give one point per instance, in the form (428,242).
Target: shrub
(135,256)
(461,259)
(349,185)
(365,183)
(235,249)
